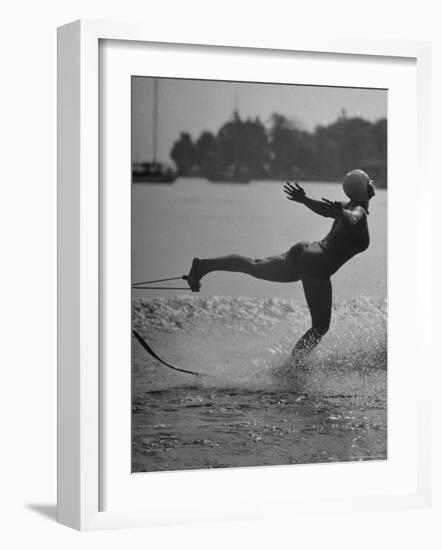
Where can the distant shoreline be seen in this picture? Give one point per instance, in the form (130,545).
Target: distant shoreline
(270,180)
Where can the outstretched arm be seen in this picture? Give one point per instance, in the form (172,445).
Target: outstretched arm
(324,207)
(321,208)
(297,194)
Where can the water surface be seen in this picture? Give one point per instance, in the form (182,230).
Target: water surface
(256,407)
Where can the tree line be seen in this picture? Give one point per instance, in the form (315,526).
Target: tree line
(284,150)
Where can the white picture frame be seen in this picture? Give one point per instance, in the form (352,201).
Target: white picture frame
(80,437)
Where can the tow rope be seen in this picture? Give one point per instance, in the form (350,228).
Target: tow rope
(146,285)
(149,350)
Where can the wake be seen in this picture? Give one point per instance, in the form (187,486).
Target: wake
(247,342)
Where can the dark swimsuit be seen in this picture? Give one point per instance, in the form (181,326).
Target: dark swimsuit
(315,263)
(321,259)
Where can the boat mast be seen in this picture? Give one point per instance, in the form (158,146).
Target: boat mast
(236,102)
(155,119)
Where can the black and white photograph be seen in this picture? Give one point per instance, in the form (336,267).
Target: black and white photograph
(221,280)
(259,274)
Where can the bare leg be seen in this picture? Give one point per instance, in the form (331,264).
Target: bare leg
(318,293)
(279,269)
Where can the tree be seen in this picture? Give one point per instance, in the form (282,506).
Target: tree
(206,153)
(380,138)
(292,150)
(285,150)
(242,145)
(255,150)
(184,154)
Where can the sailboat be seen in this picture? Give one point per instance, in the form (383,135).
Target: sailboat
(153,171)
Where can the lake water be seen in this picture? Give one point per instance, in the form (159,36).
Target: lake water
(256,408)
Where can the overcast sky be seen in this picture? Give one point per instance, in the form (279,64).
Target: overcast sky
(196,105)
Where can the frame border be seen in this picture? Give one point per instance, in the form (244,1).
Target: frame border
(78,389)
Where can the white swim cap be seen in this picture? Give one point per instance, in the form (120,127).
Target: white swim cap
(356,186)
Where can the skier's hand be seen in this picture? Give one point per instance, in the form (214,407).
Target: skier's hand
(294,193)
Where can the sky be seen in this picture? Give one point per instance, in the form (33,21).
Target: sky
(196,105)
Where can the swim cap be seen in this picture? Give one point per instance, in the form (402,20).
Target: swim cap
(356,185)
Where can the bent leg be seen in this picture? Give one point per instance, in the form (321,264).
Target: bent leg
(318,293)
(279,269)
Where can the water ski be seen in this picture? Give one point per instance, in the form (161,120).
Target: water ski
(151,352)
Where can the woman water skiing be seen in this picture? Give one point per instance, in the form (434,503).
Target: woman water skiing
(311,262)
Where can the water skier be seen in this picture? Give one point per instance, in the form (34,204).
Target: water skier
(311,262)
